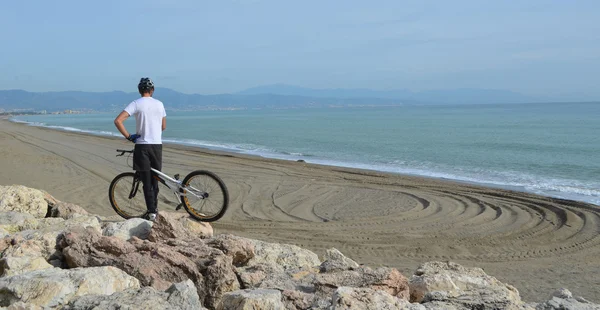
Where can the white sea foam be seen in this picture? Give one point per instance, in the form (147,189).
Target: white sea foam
(67,128)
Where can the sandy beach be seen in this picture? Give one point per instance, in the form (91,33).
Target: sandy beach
(535,243)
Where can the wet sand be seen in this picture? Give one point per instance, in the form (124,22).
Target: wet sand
(535,243)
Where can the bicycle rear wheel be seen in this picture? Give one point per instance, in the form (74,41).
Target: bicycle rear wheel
(126,195)
(205,196)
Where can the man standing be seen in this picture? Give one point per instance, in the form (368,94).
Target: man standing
(150,121)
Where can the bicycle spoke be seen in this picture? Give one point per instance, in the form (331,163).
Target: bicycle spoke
(210,204)
(121,189)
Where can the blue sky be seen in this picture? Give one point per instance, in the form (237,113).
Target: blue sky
(532,47)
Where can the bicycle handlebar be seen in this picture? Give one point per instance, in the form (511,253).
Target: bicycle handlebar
(123,152)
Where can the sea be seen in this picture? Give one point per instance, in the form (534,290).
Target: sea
(549,149)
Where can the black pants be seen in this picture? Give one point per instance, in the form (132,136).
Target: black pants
(146,156)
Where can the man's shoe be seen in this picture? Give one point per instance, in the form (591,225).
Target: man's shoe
(149,216)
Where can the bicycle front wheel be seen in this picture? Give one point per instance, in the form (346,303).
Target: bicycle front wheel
(126,195)
(204,196)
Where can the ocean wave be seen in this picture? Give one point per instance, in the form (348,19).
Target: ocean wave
(512,180)
(67,128)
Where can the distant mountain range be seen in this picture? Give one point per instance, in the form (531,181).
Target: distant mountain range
(453,96)
(20,100)
(271,96)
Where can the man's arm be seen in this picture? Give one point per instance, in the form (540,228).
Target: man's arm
(164,123)
(119,123)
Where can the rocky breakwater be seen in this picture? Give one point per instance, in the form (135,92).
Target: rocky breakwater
(54,255)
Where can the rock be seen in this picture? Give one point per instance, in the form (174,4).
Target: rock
(334,260)
(297,300)
(147,298)
(40,241)
(10,266)
(285,256)
(179,296)
(65,210)
(562,293)
(23,199)
(366,298)
(152,263)
(26,249)
(389,280)
(281,266)
(22,306)
(177,225)
(263,299)
(271,276)
(12,221)
(220,279)
(156,264)
(461,287)
(241,250)
(562,299)
(127,229)
(50,200)
(45,231)
(294,271)
(53,287)
(3,232)
(184,296)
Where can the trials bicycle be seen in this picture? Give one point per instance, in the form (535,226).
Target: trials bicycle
(201,193)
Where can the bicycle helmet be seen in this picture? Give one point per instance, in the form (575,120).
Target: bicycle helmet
(145,84)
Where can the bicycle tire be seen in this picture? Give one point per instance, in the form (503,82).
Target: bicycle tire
(216,189)
(121,187)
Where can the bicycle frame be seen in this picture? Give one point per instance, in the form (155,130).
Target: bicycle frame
(176,186)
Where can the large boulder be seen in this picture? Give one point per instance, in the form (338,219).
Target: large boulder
(368,299)
(156,264)
(65,210)
(389,280)
(300,300)
(563,299)
(55,286)
(184,295)
(178,225)
(23,199)
(179,296)
(264,299)
(21,251)
(285,256)
(125,230)
(334,260)
(10,266)
(461,287)
(12,222)
(241,250)
(280,266)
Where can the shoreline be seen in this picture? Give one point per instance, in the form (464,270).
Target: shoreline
(204,149)
(536,243)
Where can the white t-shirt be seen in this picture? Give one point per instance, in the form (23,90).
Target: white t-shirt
(148,113)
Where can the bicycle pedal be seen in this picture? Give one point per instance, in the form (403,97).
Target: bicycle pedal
(179,206)
(176,177)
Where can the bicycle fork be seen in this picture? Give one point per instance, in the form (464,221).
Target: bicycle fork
(134,188)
